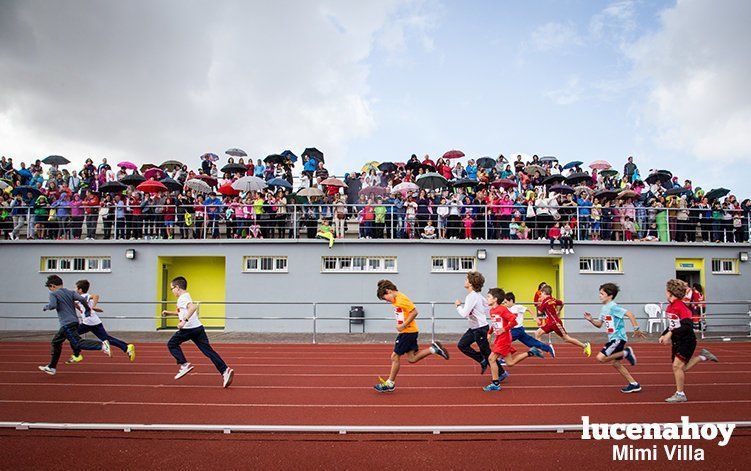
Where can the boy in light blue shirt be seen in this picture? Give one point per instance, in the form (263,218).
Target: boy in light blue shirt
(615,350)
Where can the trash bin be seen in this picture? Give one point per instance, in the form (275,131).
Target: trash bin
(356,316)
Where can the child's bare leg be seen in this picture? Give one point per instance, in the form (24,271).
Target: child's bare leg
(623,371)
(414,357)
(614,357)
(539,333)
(512,360)
(395,365)
(691,363)
(568,339)
(680,373)
(493,360)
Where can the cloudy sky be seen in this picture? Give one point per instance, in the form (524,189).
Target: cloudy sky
(153,80)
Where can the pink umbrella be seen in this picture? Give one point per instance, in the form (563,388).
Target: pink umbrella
(374,191)
(504,182)
(600,165)
(331,181)
(155,173)
(127,165)
(453,154)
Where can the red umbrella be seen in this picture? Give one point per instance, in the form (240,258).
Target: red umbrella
(211,181)
(600,165)
(227,190)
(505,183)
(155,173)
(453,154)
(151,186)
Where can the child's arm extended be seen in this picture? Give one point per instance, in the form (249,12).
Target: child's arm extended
(94,298)
(635,325)
(595,322)
(410,317)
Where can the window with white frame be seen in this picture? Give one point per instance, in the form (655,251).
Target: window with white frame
(358,264)
(265,264)
(725,266)
(600,265)
(452,264)
(76,264)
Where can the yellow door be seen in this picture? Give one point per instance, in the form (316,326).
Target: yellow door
(206,277)
(522,275)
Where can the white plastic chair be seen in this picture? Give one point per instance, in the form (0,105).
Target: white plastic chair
(655,317)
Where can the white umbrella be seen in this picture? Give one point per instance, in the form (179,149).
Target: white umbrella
(249,183)
(198,185)
(311,191)
(3,185)
(405,187)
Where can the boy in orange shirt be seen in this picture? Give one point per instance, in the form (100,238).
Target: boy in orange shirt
(406,341)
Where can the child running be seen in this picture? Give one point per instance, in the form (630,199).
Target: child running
(611,314)
(190,328)
(406,341)
(63,300)
(475,310)
(518,332)
(550,308)
(680,332)
(502,321)
(94,324)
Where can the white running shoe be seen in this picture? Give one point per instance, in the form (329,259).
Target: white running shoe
(48,370)
(106,348)
(184,369)
(677,398)
(227,376)
(571,251)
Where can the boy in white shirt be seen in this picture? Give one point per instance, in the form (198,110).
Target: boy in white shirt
(518,332)
(190,328)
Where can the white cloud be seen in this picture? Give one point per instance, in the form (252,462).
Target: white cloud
(697,68)
(614,21)
(554,35)
(568,95)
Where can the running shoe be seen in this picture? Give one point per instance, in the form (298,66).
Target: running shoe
(484,367)
(48,370)
(184,369)
(631,388)
(492,387)
(106,348)
(630,356)
(74,359)
(502,361)
(437,348)
(708,355)
(384,387)
(677,398)
(503,376)
(131,351)
(535,352)
(552,350)
(588,349)
(227,376)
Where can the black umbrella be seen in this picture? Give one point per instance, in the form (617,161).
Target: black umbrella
(145,167)
(276,159)
(678,191)
(235,152)
(609,172)
(171,184)
(717,193)
(486,162)
(577,178)
(427,167)
(234,168)
(604,195)
(288,154)
(55,160)
(112,187)
(312,152)
(387,167)
(413,164)
(171,164)
(24,189)
(134,179)
(553,179)
(548,158)
(659,176)
(464,182)
(431,181)
(562,189)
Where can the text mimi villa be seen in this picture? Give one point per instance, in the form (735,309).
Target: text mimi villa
(684,430)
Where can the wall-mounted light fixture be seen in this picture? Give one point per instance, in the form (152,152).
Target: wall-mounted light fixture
(130,254)
(482,254)
(743,256)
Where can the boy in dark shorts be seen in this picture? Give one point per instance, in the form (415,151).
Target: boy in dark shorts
(406,341)
(611,314)
(680,333)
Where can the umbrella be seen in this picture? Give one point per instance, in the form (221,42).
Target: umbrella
(453,154)
(198,185)
(210,156)
(235,152)
(288,154)
(548,158)
(600,165)
(151,186)
(280,182)
(579,177)
(372,165)
(405,187)
(312,191)
(332,181)
(234,168)
(605,195)
(171,164)
(374,191)
(249,183)
(486,162)
(427,167)
(227,190)
(24,189)
(275,159)
(531,169)
(678,191)
(313,153)
(572,164)
(505,183)
(132,179)
(562,189)
(4,185)
(112,187)
(658,176)
(627,194)
(464,182)
(155,173)
(127,165)
(55,160)
(552,179)
(171,184)
(211,181)
(431,181)
(609,173)
(716,193)
(145,167)
(583,189)
(387,167)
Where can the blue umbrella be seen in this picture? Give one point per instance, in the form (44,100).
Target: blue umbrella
(289,155)
(279,182)
(575,163)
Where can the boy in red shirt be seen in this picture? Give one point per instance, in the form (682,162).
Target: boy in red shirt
(680,333)
(550,308)
(501,323)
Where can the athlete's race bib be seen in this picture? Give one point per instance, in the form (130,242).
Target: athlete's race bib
(673,321)
(399,316)
(609,324)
